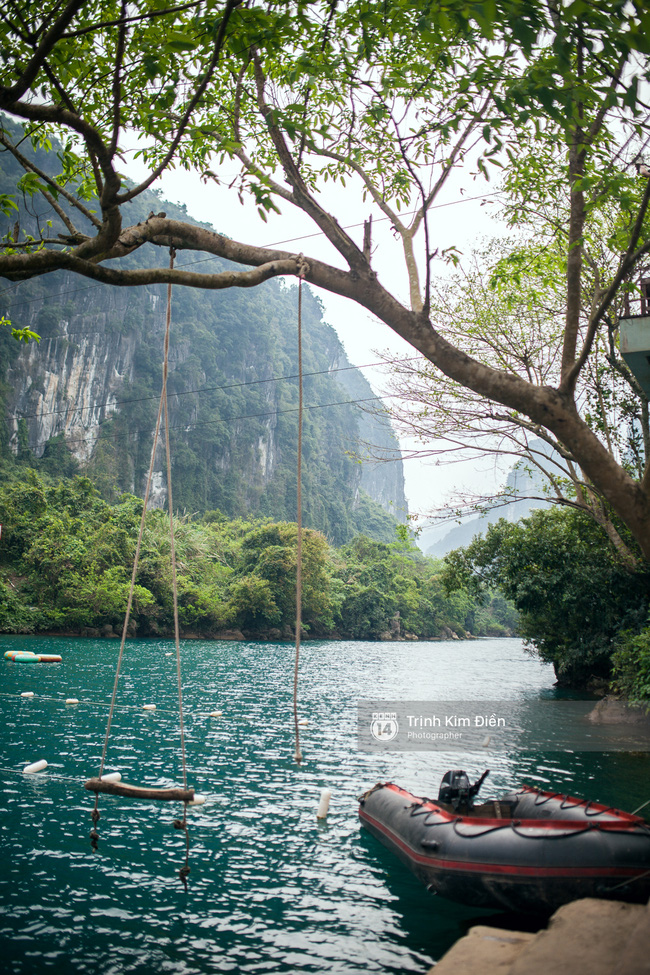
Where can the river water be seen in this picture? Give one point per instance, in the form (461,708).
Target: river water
(271,889)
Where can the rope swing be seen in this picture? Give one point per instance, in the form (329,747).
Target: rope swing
(100,784)
(303,267)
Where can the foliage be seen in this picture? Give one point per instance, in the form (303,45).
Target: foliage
(66,561)
(573,595)
(505,308)
(367,95)
(631,665)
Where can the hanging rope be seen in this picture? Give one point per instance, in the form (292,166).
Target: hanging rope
(179,824)
(302,270)
(162,408)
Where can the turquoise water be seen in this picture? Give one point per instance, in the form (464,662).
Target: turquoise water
(271,888)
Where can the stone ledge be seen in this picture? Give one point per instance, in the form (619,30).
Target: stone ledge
(595,936)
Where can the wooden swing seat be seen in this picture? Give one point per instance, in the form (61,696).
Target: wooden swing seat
(139,792)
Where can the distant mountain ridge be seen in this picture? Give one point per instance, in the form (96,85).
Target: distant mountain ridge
(522,484)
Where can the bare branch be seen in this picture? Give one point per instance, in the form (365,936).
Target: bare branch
(301,195)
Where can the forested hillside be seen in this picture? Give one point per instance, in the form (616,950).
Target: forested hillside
(67,555)
(85,398)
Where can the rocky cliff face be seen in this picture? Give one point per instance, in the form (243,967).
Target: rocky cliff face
(69,384)
(94,381)
(90,391)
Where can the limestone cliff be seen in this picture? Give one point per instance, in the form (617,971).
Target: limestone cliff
(93,383)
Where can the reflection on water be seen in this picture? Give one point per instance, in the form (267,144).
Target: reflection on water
(271,889)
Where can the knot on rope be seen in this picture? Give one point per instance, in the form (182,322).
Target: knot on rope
(302,265)
(180,824)
(95,815)
(94,838)
(184,873)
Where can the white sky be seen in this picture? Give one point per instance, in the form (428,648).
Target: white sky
(461,221)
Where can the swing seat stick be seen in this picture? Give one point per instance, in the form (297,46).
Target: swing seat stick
(139,791)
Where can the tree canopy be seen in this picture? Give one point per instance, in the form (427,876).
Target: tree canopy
(575,599)
(391,98)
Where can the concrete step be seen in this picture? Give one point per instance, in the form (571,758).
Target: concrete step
(591,936)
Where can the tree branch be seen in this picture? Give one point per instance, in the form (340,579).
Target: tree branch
(301,195)
(29,166)
(29,74)
(230,6)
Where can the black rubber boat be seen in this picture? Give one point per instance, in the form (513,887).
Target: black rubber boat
(527,851)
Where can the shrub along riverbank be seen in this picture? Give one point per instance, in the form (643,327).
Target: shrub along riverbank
(66,558)
(580,607)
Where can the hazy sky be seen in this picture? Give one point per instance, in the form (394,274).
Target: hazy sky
(461,220)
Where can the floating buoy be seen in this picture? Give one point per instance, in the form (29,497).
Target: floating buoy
(148,707)
(29,657)
(35,767)
(112,777)
(486,742)
(198,799)
(303,723)
(216,714)
(324,803)
(72,700)
(169,654)
(27,694)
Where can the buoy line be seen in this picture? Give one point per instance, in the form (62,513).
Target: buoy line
(43,778)
(97,704)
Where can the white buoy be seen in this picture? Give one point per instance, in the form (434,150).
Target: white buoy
(112,777)
(216,714)
(198,799)
(27,694)
(303,723)
(148,707)
(72,700)
(169,654)
(35,767)
(324,804)
(487,741)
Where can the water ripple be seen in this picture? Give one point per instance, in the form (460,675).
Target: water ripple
(270,888)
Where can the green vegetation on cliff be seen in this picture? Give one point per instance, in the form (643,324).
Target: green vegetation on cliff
(86,396)
(66,558)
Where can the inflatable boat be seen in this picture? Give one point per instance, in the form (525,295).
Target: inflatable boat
(527,851)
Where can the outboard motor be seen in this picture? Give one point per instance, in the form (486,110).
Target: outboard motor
(456,790)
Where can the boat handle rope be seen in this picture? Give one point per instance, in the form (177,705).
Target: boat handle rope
(489,829)
(587,805)
(565,804)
